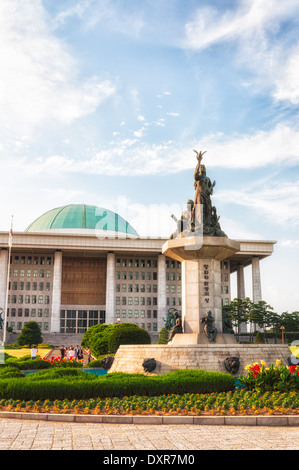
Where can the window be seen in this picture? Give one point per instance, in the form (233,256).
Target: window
(14,286)
(21,299)
(41,273)
(39,312)
(40,299)
(47,299)
(46,312)
(33,312)
(27,299)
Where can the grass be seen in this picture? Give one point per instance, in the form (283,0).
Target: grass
(18,353)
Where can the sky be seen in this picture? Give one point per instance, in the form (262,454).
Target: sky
(102,102)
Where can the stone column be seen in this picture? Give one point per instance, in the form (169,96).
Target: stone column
(256,280)
(243,327)
(56,293)
(110,289)
(3,278)
(162,307)
(240,282)
(210,290)
(201,292)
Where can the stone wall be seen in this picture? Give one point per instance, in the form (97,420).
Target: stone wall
(209,357)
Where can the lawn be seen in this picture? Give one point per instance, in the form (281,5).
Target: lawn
(18,353)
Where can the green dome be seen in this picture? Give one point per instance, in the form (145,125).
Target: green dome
(81,216)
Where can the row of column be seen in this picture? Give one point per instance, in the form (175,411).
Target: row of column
(256,281)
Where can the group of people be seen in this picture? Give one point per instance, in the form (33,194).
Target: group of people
(72,353)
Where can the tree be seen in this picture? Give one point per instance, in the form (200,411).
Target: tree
(30,334)
(163,336)
(238,311)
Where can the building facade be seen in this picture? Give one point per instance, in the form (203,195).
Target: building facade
(78,266)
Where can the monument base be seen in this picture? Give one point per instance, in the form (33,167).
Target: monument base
(211,356)
(194,338)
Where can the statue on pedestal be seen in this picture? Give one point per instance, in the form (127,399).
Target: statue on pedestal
(209,328)
(201,217)
(177,328)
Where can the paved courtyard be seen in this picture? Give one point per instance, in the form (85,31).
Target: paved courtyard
(17,434)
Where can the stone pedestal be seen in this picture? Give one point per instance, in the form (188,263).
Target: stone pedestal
(130,358)
(201,281)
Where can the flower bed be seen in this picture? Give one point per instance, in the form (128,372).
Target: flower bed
(227,403)
(275,377)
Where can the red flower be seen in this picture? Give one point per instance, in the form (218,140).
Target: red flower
(292,369)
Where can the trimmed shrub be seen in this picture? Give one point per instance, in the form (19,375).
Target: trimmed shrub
(97,337)
(127,335)
(10,372)
(30,334)
(114,385)
(163,336)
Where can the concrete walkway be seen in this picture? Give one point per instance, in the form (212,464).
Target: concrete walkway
(24,434)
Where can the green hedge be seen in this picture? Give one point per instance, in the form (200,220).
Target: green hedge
(114,385)
(98,337)
(127,335)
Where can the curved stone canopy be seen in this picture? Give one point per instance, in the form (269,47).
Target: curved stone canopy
(81,217)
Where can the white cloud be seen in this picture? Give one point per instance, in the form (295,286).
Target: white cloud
(278,202)
(263,47)
(39,81)
(249,18)
(132,156)
(93,13)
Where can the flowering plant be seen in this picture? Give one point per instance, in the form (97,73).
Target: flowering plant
(274,377)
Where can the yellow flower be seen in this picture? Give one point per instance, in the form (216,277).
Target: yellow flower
(248,367)
(278,362)
(263,363)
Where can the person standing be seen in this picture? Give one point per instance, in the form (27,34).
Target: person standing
(62,352)
(34,352)
(88,355)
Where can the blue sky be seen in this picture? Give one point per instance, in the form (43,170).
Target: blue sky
(103,101)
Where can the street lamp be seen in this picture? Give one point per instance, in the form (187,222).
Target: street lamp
(282,334)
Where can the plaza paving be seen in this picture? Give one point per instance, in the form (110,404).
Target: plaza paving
(18,434)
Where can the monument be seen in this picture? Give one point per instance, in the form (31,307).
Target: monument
(200,245)
(201,337)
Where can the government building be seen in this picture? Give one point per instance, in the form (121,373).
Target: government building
(80,265)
